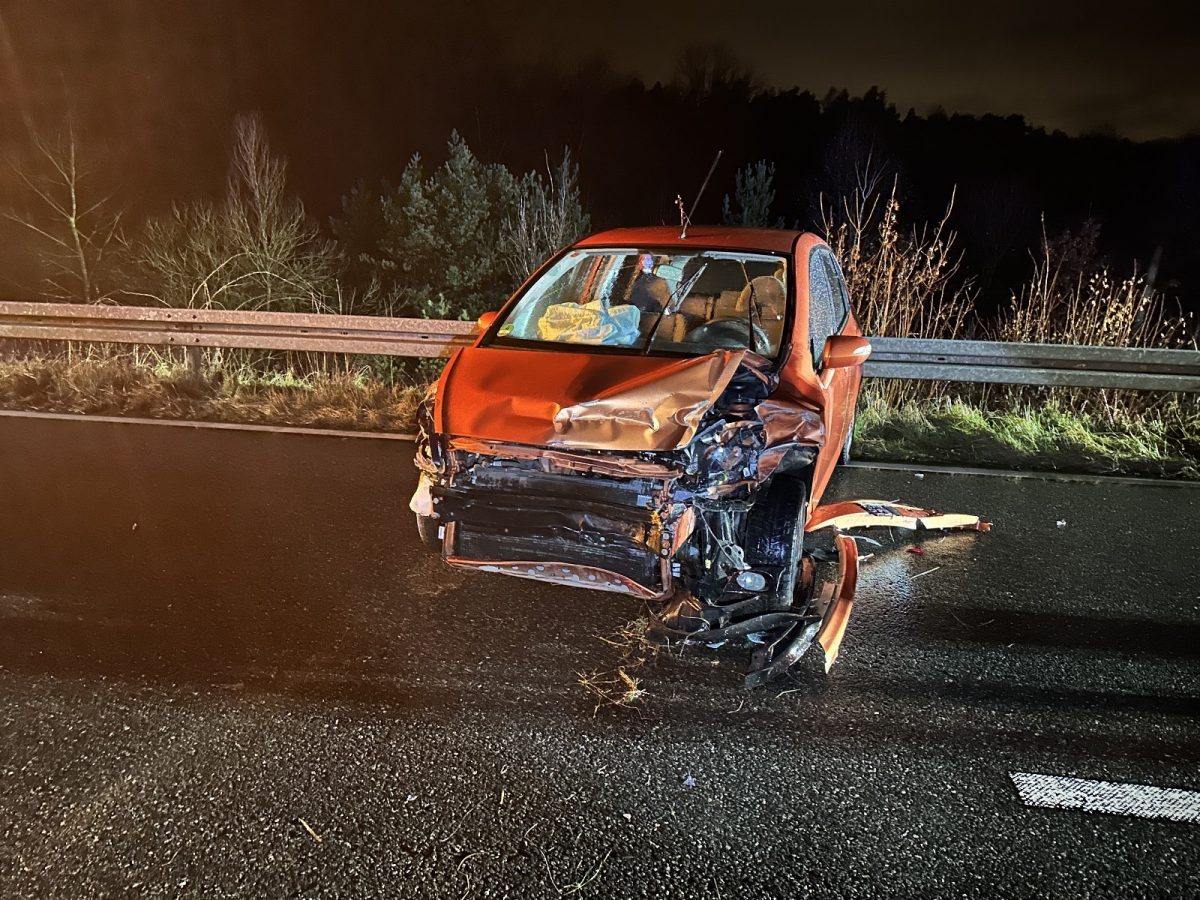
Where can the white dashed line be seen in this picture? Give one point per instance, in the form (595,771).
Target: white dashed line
(1143,800)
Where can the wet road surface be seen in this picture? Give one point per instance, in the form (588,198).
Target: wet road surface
(226,669)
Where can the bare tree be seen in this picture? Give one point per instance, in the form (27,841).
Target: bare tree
(76,229)
(548,216)
(858,207)
(258,249)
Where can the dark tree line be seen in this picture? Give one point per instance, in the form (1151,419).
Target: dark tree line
(348,95)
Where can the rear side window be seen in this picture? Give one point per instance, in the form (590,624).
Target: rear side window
(823,319)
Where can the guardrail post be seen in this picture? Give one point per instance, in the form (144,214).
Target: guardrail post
(195,361)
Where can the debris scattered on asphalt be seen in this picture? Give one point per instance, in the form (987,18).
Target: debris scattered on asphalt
(688,780)
(916,551)
(849,514)
(926,572)
(918,474)
(316,837)
(1061,523)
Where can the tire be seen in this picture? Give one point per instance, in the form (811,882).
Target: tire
(775,533)
(427,529)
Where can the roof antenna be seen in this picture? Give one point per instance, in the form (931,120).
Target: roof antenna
(685,218)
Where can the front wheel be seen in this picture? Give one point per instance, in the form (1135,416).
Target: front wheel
(427,528)
(775,534)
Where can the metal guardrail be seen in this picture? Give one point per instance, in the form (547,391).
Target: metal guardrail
(972,361)
(1066,365)
(233,329)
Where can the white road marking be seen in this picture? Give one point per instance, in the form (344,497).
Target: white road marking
(1143,800)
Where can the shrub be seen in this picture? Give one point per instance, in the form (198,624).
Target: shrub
(430,245)
(257,249)
(548,216)
(456,242)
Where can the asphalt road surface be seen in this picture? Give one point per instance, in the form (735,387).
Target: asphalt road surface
(227,670)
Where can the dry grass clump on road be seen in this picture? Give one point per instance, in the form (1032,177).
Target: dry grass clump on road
(118,386)
(621,687)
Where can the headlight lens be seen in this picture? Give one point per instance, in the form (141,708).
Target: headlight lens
(751,581)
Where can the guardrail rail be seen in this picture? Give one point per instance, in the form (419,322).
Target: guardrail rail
(919,358)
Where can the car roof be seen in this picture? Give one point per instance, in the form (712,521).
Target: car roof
(728,237)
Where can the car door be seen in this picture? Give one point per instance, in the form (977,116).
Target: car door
(829,314)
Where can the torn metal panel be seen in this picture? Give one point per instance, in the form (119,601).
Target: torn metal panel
(781,653)
(786,422)
(580,400)
(884,514)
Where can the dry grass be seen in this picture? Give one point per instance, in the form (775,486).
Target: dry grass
(1088,305)
(907,284)
(901,284)
(618,688)
(621,687)
(123,386)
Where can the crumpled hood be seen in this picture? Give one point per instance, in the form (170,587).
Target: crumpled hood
(581,400)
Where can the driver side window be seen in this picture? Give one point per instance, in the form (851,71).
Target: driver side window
(823,317)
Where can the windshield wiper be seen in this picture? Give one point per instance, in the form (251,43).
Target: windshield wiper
(750,302)
(673,303)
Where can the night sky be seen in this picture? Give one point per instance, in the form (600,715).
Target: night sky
(1132,69)
(350,90)
(1128,69)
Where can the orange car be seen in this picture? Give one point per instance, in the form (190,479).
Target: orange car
(654,415)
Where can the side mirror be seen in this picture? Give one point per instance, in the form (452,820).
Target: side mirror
(844,350)
(484,322)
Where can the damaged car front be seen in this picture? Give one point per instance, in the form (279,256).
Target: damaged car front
(648,418)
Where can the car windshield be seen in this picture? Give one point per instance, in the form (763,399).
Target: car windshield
(654,300)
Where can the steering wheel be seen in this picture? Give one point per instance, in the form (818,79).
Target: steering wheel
(728,332)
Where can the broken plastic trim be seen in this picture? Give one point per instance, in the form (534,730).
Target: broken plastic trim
(883,514)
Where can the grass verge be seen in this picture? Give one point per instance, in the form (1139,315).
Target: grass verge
(1161,443)
(120,387)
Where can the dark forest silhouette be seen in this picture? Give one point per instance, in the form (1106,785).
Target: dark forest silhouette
(154,99)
